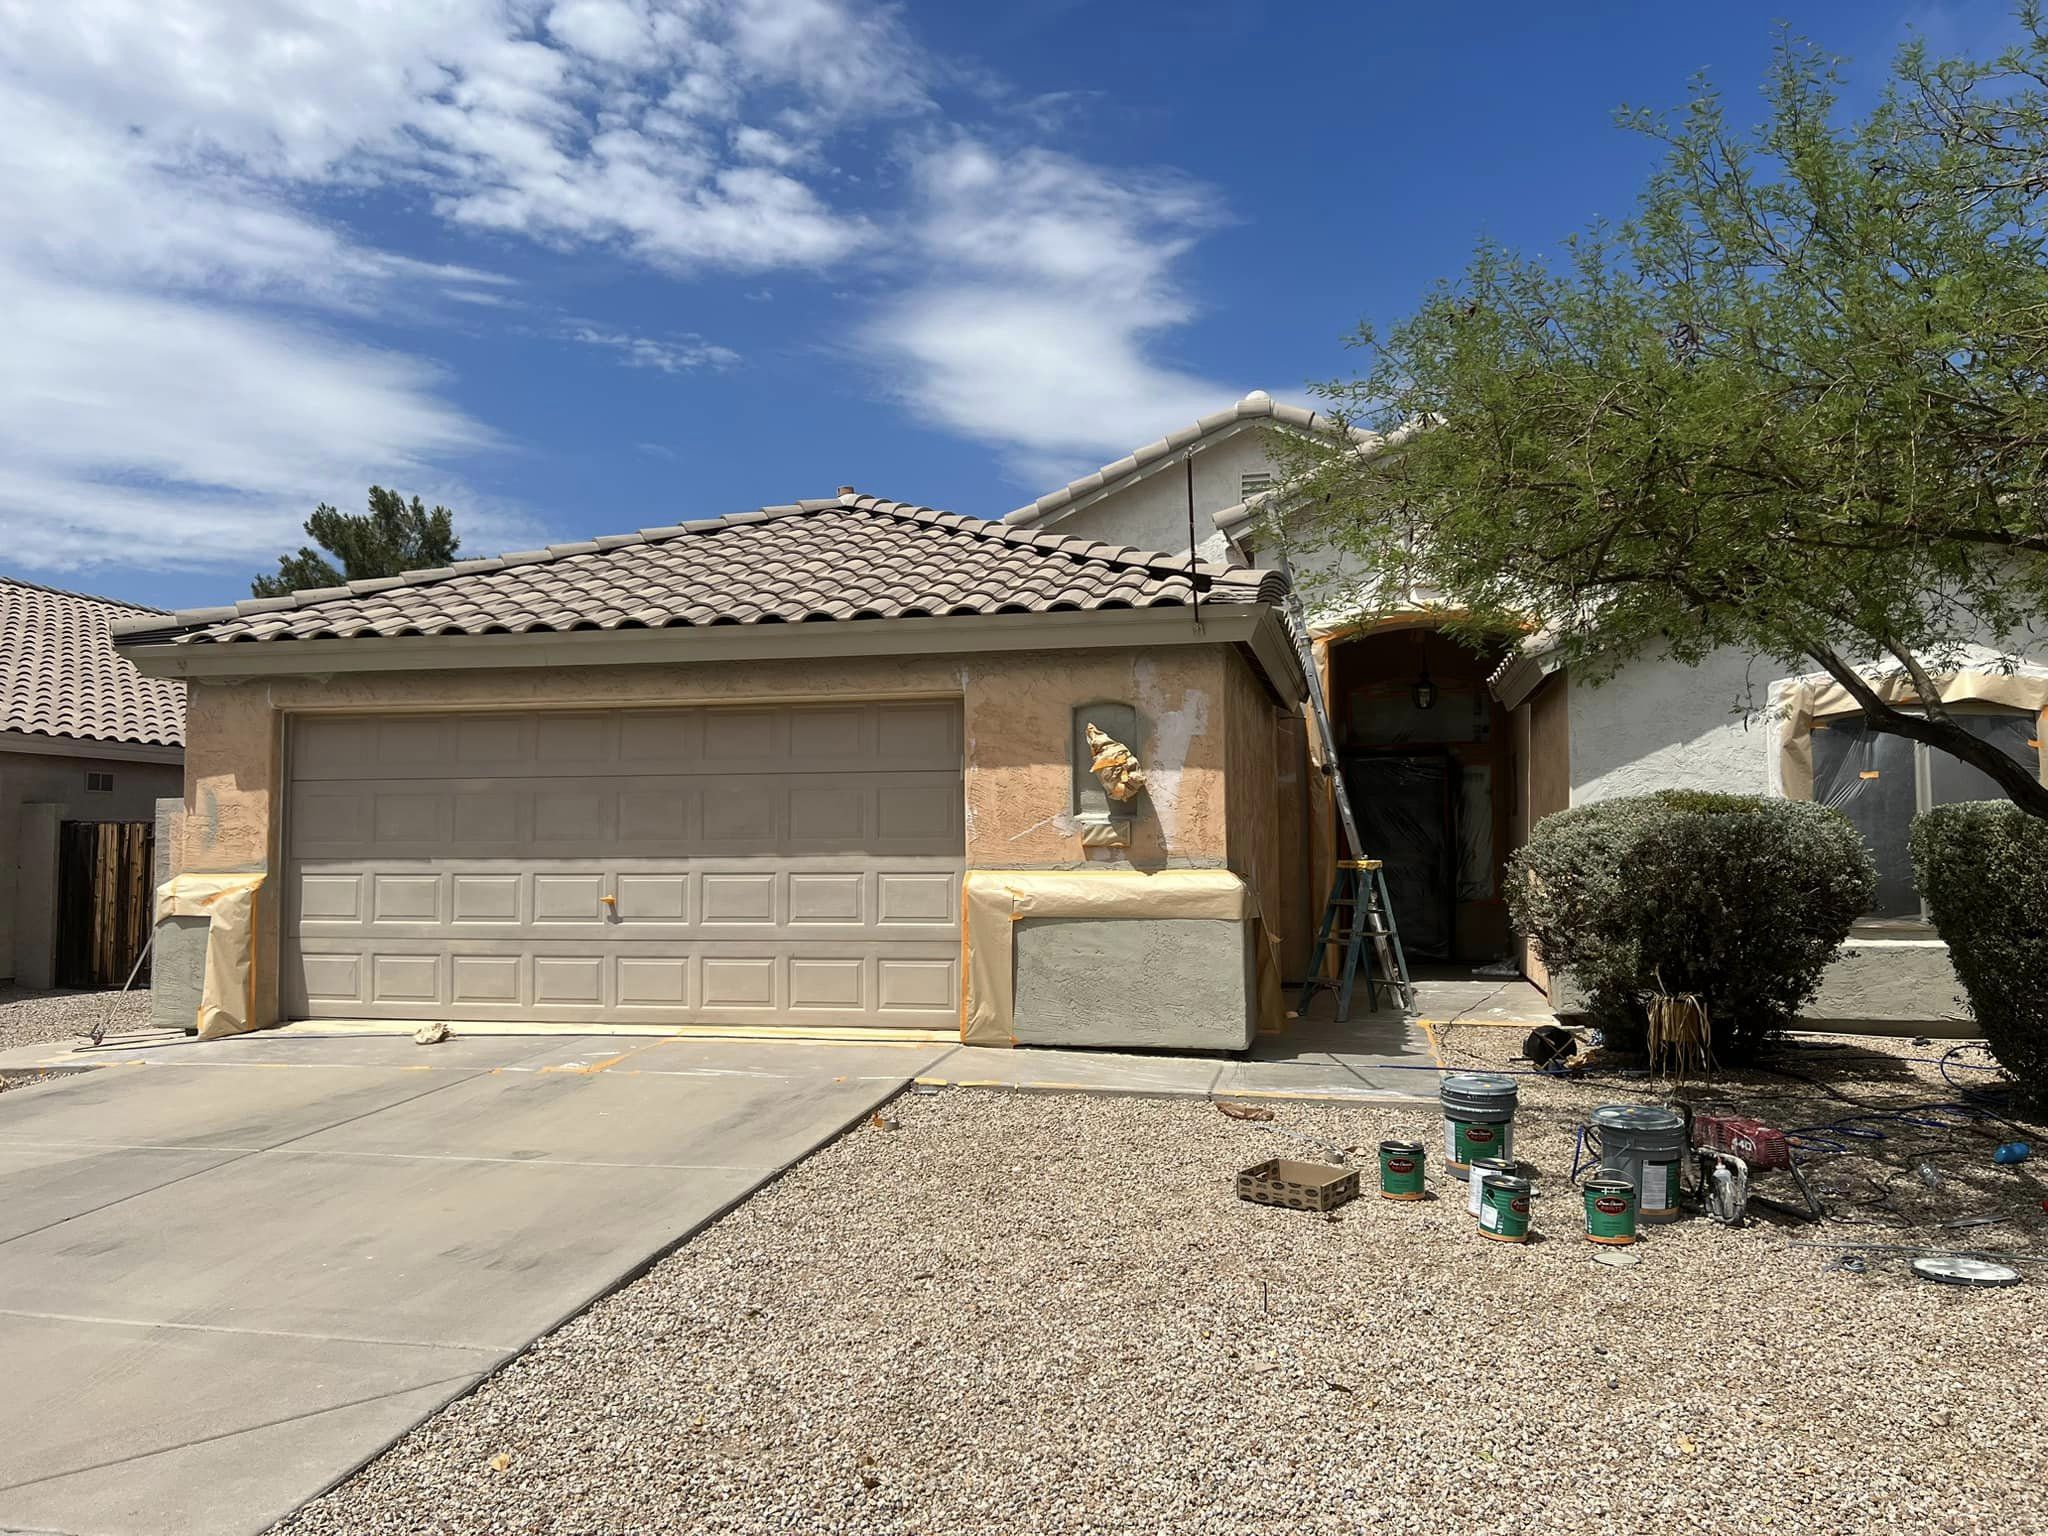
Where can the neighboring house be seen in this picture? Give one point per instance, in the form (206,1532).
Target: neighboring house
(737,771)
(84,737)
(1445,793)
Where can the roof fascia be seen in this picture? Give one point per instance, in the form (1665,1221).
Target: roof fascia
(37,744)
(684,645)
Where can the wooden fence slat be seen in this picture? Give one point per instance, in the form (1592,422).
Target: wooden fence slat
(105,881)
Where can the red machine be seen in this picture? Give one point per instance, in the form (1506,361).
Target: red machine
(1758,1145)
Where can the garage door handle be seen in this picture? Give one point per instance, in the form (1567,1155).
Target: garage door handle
(610,901)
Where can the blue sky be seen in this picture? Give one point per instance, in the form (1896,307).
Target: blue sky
(594,265)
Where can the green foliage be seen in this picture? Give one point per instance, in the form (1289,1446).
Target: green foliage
(393,537)
(1738,898)
(1983,870)
(1794,405)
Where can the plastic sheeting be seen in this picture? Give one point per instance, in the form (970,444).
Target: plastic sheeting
(1819,697)
(993,901)
(227,996)
(1406,814)
(1879,781)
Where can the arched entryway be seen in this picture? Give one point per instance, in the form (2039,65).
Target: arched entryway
(1426,752)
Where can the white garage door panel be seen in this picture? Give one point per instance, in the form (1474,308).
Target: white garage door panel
(763,863)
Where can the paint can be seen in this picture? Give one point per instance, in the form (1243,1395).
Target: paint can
(1479,1118)
(1643,1143)
(1401,1164)
(1610,1210)
(1504,1207)
(1476,1185)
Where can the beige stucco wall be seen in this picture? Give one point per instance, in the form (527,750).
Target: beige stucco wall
(1017,709)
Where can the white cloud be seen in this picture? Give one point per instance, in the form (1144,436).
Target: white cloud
(674,354)
(166,397)
(230,427)
(177,175)
(1055,278)
(590,120)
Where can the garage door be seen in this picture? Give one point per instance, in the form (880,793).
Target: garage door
(757,866)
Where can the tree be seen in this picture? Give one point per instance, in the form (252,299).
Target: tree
(393,537)
(1798,403)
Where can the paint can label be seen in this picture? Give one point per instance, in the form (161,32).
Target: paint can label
(1660,1188)
(1465,1140)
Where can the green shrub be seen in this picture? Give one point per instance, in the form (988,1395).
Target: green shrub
(1738,898)
(1982,869)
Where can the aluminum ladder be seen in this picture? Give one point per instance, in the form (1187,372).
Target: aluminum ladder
(1358,897)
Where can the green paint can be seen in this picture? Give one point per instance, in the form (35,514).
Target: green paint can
(1401,1170)
(1504,1202)
(1610,1210)
(1475,1186)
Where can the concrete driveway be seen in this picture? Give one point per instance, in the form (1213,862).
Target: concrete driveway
(230,1272)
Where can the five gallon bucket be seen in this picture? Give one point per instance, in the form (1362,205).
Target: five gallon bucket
(1401,1164)
(1610,1210)
(1643,1144)
(1504,1207)
(1479,1118)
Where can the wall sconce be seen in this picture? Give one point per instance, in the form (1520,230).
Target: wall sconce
(1424,691)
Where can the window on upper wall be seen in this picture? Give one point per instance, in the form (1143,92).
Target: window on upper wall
(98,783)
(1253,481)
(1882,782)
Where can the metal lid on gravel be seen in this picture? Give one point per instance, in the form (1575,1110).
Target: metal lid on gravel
(1954,1269)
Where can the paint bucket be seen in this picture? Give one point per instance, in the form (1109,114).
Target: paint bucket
(1482,1168)
(1504,1208)
(1401,1170)
(1643,1143)
(1610,1210)
(1479,1118)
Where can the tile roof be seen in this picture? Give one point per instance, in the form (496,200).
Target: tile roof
(1256,406)
(850,557)
(59,675)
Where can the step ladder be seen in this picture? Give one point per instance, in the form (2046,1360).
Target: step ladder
(1359,911)
(1357,915)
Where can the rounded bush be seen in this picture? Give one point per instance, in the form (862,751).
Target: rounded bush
(1982,869)
(1741,899)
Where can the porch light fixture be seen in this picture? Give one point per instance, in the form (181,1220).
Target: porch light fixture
(1424,691)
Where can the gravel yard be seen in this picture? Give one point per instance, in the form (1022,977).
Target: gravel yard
(31,1018)
(1051,1314)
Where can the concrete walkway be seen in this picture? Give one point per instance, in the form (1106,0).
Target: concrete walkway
(1383,1056)
(232,1271)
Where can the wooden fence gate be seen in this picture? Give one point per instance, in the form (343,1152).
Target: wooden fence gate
(105,881)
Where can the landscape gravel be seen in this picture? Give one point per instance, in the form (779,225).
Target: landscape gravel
(31,1017)
(1014,1313)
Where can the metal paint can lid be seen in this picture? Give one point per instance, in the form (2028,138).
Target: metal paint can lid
(1637,1117)
(1954,1269)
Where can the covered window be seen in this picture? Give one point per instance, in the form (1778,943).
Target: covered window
(1881,782)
